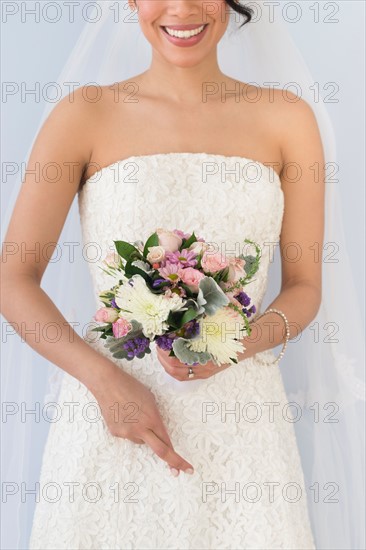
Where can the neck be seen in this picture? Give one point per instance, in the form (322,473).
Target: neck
(183,85)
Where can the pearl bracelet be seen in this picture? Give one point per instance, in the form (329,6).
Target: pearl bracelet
(287,337)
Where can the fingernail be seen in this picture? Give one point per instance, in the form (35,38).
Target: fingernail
(189,471)
(174,471)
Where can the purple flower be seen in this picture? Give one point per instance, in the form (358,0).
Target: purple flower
(165,341)
(191,329)
(243,298)
(135,346)
(113,303)
(250,311)
(158,282)
(184,258)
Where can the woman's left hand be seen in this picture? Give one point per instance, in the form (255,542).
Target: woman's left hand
(180,371)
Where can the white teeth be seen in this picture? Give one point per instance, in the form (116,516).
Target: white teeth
(184,34)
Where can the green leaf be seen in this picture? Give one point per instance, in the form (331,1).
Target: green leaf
(214,296)
(174,319)
(100,329)
(186,355)
(134,270)
(192,239)
(249,263)
(153,240)
(198,259)
(160,288)
(120,354)
(126,250)
(253,260)
(145,266)
(188,316)
(196,304)
(222,275)
(189,292)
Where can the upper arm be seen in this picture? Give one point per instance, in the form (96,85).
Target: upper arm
(303,184)
(60,152)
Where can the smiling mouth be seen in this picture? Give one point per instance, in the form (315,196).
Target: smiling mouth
(184,33)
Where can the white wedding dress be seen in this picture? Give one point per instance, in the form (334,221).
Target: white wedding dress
(248,488)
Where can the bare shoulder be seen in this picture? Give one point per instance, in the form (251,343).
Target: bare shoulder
(301,142)
(79,105)
(294,124)
(74,118)
(82,113)
(67,135)
(117,94)
(283,104)
(84,106)
(295,117)
(96,104)
(294,109)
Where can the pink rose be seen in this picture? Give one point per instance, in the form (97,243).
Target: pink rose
(236,269)
(199,247)
(213,262)
(121,327)
(191,277)
(169,240)
(106,315)
(156,254)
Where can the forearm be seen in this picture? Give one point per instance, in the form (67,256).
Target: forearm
(33,315)
(299,302)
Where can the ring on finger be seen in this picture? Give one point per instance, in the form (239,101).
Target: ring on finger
(190,373)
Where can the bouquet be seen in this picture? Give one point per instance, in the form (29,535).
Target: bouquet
(178,291)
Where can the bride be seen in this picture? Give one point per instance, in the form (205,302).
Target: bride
(209,460)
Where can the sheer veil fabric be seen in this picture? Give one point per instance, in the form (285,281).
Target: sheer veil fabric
(322,368)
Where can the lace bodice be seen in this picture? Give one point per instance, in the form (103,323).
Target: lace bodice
(224,199)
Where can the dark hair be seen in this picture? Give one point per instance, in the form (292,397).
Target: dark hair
(245,11)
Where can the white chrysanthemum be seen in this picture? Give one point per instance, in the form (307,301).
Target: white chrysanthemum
(217,333)
(151,310)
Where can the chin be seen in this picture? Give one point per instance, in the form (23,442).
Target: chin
(184,61)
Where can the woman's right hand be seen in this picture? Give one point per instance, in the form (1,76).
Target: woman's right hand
(130,411)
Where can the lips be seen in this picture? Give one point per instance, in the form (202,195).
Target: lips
(185,36)
(183,27)
(184,33)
